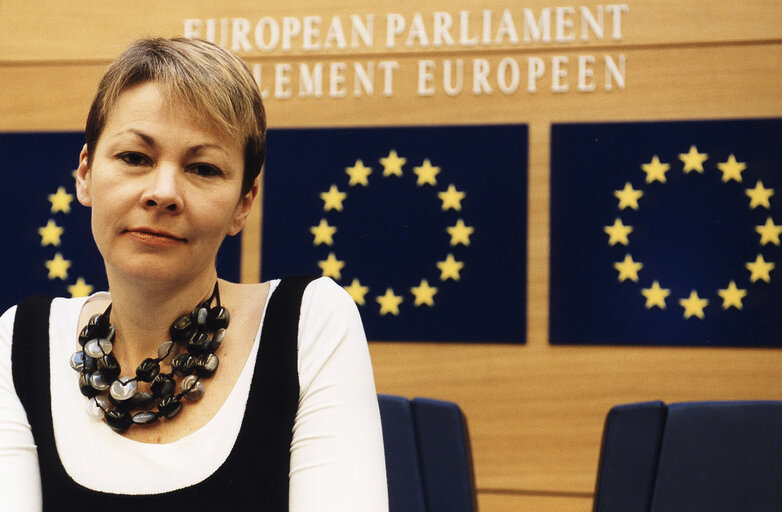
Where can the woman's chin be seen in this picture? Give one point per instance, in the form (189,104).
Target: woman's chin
(152,271)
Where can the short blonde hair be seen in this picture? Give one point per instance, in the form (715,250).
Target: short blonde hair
(216,84)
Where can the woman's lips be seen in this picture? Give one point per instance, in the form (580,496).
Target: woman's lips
(154,238)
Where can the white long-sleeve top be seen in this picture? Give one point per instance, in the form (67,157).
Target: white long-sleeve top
(337,461)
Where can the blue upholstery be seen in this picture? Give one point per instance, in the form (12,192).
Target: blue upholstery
(710,456)
(631,447)
(428,457)
(445,456)
(405,489)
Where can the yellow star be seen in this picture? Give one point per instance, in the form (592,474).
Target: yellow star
(628,269)
(323,233)
(655,296)
(80,288)
(332,200)
(358,174)
(426,173)
(61,201)
(693,161)
(357,291)
(424,294)
(451,198)
(760,269)
(460,234)
(731,296)
(731,170)
(449,269)
(759,196)
(628,197)
(693,305)
(331,266)
(769,232)
(58,267)
(389,303)
(50,234)
(392,164)
(617,234)
(655,170)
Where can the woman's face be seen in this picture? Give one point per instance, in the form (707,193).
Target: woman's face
(164,189)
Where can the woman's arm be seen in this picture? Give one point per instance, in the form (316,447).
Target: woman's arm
(337,459)
(20,479)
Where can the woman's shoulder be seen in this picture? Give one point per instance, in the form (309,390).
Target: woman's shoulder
(59,305)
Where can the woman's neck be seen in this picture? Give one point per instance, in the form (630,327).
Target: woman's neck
(143,313)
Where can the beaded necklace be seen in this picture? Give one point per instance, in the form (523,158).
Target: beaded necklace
(118,398)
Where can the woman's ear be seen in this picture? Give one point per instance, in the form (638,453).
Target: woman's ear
(243,208)
(83,179)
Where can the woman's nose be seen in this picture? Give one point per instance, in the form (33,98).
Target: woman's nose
(163,190)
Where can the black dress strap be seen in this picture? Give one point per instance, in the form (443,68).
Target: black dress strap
(31,326)
(255,476)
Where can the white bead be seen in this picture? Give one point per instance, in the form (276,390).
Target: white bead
(98,347)
(97,381)
(94,407)
(192,388)
(202,316)
(164,349)
(123,388)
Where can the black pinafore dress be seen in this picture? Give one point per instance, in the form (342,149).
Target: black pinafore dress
(255,474)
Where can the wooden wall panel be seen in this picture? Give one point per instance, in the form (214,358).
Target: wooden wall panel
(536,411)
(661,83)
(94,29)
(502,502)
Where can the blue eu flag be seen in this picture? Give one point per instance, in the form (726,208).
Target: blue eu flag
(666,233)
(425,227)
(48,246)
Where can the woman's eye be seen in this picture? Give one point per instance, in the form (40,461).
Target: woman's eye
(131,158)
(205,170)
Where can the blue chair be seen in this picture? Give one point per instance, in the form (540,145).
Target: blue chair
(428,456)
(693,456)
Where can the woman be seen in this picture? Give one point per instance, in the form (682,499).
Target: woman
(265,398)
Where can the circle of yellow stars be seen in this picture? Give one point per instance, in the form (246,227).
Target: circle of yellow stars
(694,305)
(51,235)
(393,167)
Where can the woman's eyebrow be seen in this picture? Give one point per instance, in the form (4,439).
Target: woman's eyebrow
(148,140)
(200,147)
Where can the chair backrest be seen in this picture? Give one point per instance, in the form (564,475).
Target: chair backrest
(628,458)
(708,456)
(405,487)
(428,456)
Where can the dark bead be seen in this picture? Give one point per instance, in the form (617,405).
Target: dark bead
(77,360)
(84,335)
(121,404)
(183,364)
(144,418)
(142,400)
(97,327)
(182,329)
(90,364)
(118,420)
(206,365)
(217,318)
(148,370)
(169,406)
(162,386)
(109,367)
(217,340)
(199,343)
(85,387)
